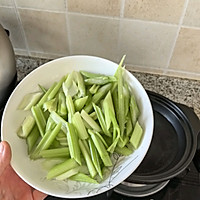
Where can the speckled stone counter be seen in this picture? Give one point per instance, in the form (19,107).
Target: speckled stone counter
(177,89)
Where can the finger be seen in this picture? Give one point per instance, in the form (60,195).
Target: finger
(38,195)
(5,155)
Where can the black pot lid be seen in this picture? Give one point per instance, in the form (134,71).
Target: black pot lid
(173,145)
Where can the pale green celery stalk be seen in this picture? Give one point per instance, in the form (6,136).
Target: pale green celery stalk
(90,74)
(46,141)
(57,119)
(55,144)
(49,163)
(69,86)
(85,142)
(61,134)
(81,84)
(45,96)
(134,110)
(50,124)
(83,178)
(101,119)
(67,174)
(29,100)
(70,107)
(136,135)
(123,141)
(98,96)
(44,90)
(95,157)
(112,147)
(94,88)
(129,127)
(114,87)
(50,105)
(80,103)
(61,168)
(62,108)
(88,159)
(72,139)
(123,151)
(102,139)
(79,125)
(54,153)
(32,138)
(100,80)
(126,99)
(101,149)
(93,115)
(55,90)
(26,127)
(90,121)
(115,101)
(39,118)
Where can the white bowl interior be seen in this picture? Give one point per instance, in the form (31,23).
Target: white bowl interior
(32,171)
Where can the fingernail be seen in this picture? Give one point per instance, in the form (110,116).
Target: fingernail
(1,148)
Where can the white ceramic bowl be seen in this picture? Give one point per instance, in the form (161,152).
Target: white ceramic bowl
(32,172)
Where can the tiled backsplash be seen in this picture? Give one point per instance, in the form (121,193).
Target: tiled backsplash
(157,36)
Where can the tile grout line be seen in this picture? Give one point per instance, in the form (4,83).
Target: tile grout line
(68,26)
(176,37)
(21,26)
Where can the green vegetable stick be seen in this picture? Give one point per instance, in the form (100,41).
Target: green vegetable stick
(70,107)
(62,108)
(39,118)
(80,103)
(94,88)
(136,135)
(134,110)
(72,139)
(61,168)
(67,174)
(79,125)
(83,178)
(53,153)
(81,85)
(88,159)
(123,151)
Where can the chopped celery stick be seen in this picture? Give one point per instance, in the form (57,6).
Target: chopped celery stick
(90,121)
(100,136)
(67,174)
(136,135)
(95,157)
(53,153)
(49,163)
(93,115)
(42,88)
(98,96)
(50,125)
(55,144)
(64,144)
(63,139)
(26,127)
(46,141)
(123,141)
(85,142)
(101,149)
(88,159)
(81,85)
(90,74)
(32,138)
(57,119)
(100,80)
(94,88)
(80,103)
(62,108)
(83,178)
(30,100)
(112,147)
(61,134)
(126,94)
(45,96)
(101,120)
(79,125)
(72,139)
(61,168)
(69,86)
(54,91)
(50,105)
(39,118)
(134,110)
(129,127)
(70,107)
(123,151)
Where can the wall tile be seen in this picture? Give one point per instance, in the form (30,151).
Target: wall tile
(154,10)
(186,56)
(146,43)
(192,16)
(103,7)
(6,3)
(58,5)
(45,31)
(94,36)
(9,21)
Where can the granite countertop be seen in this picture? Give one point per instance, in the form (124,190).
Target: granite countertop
(184,91)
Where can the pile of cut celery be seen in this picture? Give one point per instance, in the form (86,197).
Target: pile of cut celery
(80,121)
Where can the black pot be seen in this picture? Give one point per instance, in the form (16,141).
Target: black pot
(174,142)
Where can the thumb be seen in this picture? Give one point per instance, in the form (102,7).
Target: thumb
(5,155)
(38,195)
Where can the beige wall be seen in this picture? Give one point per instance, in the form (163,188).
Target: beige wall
(156,36)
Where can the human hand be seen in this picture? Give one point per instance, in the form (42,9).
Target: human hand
(12,187)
